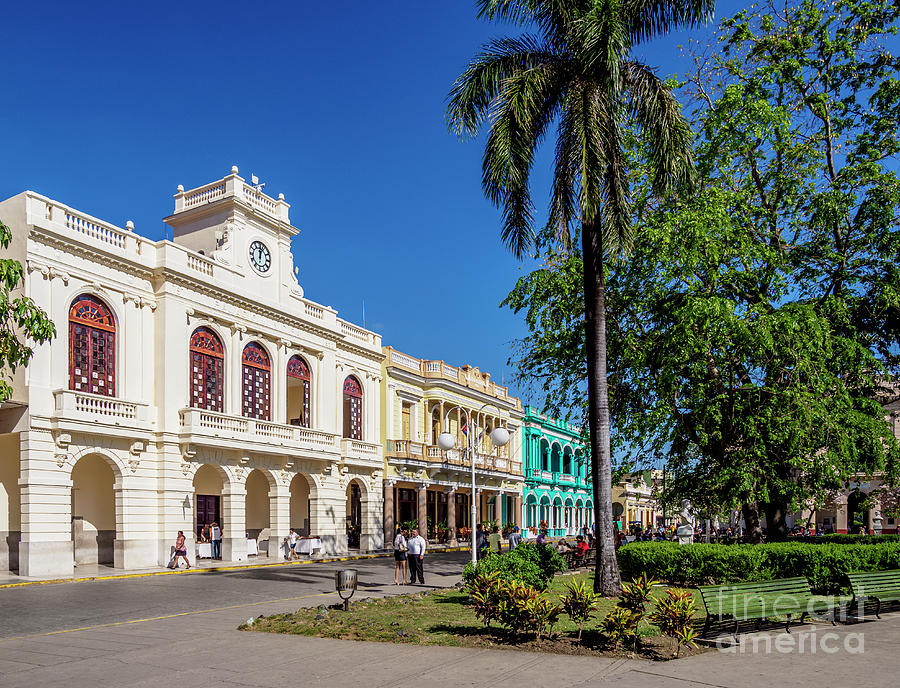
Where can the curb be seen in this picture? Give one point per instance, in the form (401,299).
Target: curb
(215,569)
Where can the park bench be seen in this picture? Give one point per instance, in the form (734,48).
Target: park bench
(789,597)
(881,586)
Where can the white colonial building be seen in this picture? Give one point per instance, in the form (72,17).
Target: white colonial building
(190,381)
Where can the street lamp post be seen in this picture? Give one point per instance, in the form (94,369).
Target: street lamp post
(446,441)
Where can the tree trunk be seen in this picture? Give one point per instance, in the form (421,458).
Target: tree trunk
(752,527)
(606,577)
(776,526)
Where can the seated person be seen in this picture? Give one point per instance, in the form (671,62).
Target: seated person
(563,547)
(581,547)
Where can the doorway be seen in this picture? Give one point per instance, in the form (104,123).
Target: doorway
(208,511)
(354,516)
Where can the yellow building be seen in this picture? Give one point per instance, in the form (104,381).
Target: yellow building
(425,484)
(634,500)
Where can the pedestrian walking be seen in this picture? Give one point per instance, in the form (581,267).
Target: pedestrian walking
(292,543)
(415,557)
(515,538)
(494,540)
(401,548)
(216,534)
(180,550)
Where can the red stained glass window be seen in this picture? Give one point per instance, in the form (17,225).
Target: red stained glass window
(207,362)
(92,347)
(256,399)
(298,386)
(352,408)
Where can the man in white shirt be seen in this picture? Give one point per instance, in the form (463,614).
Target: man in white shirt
(415,556)
(292,541)
(216,537)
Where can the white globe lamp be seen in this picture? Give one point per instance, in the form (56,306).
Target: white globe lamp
(446,441)
(500,437)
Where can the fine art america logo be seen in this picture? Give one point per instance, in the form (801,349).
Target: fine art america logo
(809,640)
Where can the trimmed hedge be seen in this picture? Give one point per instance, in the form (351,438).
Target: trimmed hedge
(528,563)
(825,565)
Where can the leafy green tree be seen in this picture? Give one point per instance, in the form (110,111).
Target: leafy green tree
(755,328)
(21,320)
(578,72)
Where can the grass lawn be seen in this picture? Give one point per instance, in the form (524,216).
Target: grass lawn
(443,617)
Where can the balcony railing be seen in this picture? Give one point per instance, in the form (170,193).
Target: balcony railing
(97,408)
(466,376)
(215,425)
(406,449)
(364,451)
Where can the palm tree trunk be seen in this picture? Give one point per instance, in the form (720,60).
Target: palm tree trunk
(606,577)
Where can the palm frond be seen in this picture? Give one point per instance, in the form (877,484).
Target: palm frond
(615,216)
(520,116)
(648,19)
(476,89)
(564,192)
(668,137)
(600,43)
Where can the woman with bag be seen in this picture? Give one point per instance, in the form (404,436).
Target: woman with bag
(180,551)
(400,550)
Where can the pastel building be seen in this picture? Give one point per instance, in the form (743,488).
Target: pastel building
(190,381)
(557,485)
(429,486)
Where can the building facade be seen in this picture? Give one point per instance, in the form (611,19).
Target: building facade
(634,501)
(557,490)
(190,381)
(428,486)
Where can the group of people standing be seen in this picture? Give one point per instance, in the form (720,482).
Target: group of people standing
(210,533)
(409,552)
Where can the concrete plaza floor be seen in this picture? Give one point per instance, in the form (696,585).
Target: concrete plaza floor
(179,630)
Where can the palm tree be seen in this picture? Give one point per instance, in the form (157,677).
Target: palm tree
(578,72)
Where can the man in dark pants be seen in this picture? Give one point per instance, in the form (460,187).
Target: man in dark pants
(415,557)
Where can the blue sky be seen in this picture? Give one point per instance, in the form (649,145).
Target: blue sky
(109,106)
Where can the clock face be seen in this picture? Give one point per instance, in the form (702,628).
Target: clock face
(259,256)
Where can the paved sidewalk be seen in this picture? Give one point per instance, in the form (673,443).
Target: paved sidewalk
(203,646)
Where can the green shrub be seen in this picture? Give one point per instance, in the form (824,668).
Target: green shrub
(579,603)
(485,591)
(824,565)
(531,564)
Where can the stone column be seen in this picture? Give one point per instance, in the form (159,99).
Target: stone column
(840,515)
(279,517)
(45,548)
(389,512)
(518,511)
(451,516)
(422,504)
(234,523)
(137,505)
(477,501)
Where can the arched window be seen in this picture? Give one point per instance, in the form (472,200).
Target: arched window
(256,382)
(352,408)
(207,370)
(567,462)
(298,392)
(92,347)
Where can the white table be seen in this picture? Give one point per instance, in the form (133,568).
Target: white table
(307,545)
(204,550)
(252,547)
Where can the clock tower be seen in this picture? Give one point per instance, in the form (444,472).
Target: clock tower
(235,224)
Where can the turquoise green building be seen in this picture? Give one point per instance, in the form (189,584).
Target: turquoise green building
(557,492)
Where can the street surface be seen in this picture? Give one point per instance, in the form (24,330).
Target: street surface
(43,608)
(180,630)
